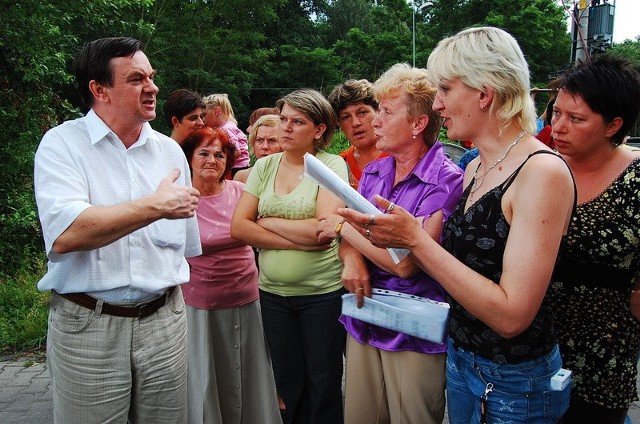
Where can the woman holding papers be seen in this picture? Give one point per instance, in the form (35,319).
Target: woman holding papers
(392,377)
(300,290)
(501,243)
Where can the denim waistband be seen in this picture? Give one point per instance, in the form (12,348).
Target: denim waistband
(550,359)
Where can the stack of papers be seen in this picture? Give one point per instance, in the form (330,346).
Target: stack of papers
(413,315)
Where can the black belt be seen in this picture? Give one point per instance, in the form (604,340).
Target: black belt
(138,311)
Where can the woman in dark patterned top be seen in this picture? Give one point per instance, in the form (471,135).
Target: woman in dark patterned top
(597,105)
(500,244)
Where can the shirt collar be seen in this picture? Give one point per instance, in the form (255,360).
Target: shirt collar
(98,130)
(427,169)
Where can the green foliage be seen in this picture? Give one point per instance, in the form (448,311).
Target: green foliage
(36,93)
(23,310)
(219,49)
(254,50)
(538,25)
(370,49)
(320,67)
(293,25)
(346,15)
(629,50)
(34,49)
(339,143)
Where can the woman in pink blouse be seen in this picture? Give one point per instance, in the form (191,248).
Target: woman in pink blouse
(229,375)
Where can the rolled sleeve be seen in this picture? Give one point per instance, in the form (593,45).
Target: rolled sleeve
(60,190)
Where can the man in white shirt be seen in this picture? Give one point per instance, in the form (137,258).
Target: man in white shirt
(118,216)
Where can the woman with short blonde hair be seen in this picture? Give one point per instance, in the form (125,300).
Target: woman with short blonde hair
(316,107)
(501,243)
(489,57)
(263,141)
(393,377)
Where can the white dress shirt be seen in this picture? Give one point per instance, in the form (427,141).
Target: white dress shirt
(82,163)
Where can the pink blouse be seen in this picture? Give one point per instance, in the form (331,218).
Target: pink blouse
(225,275)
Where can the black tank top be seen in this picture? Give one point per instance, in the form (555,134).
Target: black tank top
(478,238)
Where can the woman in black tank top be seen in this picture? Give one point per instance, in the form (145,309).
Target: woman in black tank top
(501,243)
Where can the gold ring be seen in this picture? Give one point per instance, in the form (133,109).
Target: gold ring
(367,234)
(390,207)
(359,288)
(372,220)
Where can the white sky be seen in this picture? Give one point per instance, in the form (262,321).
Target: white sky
(626,21)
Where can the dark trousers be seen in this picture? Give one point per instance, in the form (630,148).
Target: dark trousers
(583,412)
(306,343)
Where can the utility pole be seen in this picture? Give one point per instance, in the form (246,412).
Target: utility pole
(592,28)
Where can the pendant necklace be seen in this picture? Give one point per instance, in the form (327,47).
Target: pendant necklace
(300,174)
(477,183)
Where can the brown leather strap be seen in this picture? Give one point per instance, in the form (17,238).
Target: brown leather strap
(138,311)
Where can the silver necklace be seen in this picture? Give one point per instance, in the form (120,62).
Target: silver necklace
(300,174)
(477,183)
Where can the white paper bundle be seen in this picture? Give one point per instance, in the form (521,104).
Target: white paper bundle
(413,315)
(325,177)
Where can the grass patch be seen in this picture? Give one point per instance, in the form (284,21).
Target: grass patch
(23,310)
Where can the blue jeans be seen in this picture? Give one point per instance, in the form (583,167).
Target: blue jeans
(307,342)
(521,393)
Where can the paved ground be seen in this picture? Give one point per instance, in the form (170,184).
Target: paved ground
(25,392)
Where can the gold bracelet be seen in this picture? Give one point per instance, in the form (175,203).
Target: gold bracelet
(338,227)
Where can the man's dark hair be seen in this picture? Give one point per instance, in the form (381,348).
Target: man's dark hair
(180,103)
(610,86)
(93,62)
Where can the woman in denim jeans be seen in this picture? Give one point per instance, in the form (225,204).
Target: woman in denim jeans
(501,242)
